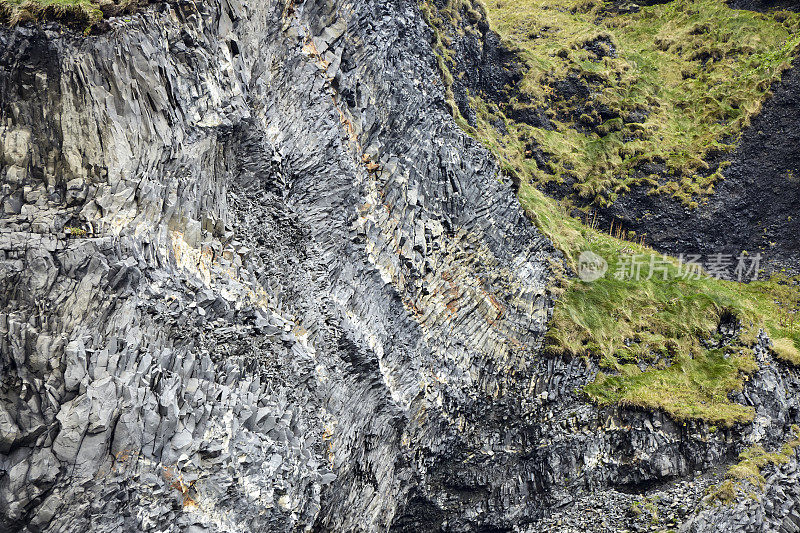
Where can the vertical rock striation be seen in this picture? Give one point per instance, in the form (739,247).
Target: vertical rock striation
(254,278)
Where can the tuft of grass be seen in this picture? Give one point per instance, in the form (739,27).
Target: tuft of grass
(724,493)
(786,350)
(647,505)
(75,231)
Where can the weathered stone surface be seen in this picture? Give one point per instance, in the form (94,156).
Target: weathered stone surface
(256,279)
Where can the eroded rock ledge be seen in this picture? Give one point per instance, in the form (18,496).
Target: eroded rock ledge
(255,279)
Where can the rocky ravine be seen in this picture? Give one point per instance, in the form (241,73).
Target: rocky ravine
(254,278)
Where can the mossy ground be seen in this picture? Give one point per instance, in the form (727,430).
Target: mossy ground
(82,15)
(653,337)
(671,85)
(693,73)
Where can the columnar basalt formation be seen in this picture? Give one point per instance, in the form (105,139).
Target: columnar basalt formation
(254,278)
(246,259)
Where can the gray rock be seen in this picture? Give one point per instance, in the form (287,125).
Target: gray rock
(265,330)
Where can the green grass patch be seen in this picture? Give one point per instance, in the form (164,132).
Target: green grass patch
(81,15)
(786,350)
(651,336)
(672,84)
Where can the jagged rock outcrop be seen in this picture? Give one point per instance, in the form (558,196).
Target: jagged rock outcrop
(249,269)
(773,507)
(256,279)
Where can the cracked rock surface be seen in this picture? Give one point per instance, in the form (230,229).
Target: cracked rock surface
(254,278)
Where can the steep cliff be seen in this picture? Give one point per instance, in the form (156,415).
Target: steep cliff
(253,276)
(256,278)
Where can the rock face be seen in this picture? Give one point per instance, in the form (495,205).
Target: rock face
(254,278)
(773,507)
(764,5)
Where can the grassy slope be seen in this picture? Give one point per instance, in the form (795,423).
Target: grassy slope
(79,14)
(658,324)
(650,336)
(697,69)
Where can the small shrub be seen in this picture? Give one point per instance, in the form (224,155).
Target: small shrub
(75,232)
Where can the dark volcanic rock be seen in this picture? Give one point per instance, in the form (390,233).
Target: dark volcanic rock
(485,67)
(254,278)
(765,5)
